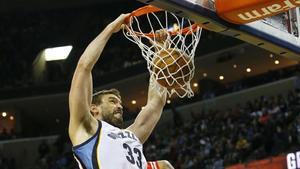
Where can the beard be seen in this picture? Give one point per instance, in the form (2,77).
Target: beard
(113,120)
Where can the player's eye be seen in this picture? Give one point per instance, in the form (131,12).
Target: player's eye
(112,101)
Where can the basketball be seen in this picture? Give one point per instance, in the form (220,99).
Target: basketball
(172,68)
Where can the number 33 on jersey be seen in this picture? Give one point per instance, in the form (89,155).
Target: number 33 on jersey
(110,148)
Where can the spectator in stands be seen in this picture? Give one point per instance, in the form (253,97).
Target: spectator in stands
(242,143)
(254,134)
(264,118)
(218,164)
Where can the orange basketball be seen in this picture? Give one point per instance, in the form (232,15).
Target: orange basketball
(172,68)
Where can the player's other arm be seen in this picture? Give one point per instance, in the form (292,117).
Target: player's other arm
(82,124)
(164,164)
(149,115)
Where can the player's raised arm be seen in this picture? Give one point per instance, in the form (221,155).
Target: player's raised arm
(82,124)
(149,115)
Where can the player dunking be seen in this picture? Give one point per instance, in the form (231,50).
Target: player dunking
(95,119)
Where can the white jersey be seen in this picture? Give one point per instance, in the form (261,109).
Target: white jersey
(110,148)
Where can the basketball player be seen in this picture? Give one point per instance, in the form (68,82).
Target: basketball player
(95,120)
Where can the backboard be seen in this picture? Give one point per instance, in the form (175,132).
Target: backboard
(278,34)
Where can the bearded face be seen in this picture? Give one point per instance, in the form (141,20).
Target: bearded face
(111,110)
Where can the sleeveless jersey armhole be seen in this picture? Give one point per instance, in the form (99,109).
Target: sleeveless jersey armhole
(88,140)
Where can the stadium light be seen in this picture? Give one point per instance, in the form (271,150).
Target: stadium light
(57,53)
(11,117)
(169,101)
(4,114)
(133,102)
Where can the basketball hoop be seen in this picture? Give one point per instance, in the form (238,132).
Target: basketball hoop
(182,37)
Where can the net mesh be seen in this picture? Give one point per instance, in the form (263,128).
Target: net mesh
(171,62)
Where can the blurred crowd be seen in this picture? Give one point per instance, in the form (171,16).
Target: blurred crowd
(214,139)
(267,126)
(55,156)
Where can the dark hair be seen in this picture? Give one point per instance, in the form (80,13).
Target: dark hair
(97,96)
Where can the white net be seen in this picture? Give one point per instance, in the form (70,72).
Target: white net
(171,61)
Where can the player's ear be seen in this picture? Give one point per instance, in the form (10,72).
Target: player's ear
(94,110)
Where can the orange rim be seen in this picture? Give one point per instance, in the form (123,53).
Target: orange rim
(149,9)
